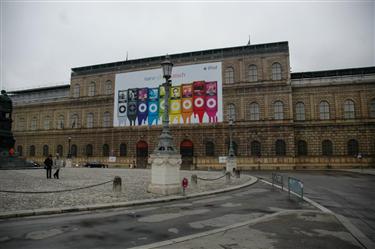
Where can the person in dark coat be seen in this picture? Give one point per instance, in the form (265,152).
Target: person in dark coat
(48,162)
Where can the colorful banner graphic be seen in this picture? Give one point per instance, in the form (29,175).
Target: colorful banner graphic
(140,96)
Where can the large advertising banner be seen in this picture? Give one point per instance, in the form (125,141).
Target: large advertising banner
(195,96)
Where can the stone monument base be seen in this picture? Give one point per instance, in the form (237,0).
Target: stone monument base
(231,164)
(165,174)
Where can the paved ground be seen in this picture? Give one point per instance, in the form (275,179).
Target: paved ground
(350,194)
(273,221)
(135,183)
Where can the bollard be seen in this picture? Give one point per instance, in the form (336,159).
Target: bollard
(238,173)
(227,177)
(194,180)
(117,184)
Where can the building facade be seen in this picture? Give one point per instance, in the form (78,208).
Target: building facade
(282,120)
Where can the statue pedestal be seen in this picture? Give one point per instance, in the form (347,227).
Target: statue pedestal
(165,174)
(231,164)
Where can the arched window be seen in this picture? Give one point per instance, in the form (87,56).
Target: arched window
(108,87)
(32,150)
(91,90)
(123,151)
(210,148)
(229,75)
(47,123)
(278,110)
(253,73)
(90,120)
(349,112)
(353,147)
(73,150)
(33,124)
(255,148)
(300,111)
(231,112)
(324,110)
(254,111)
(372,108)
(45,150)
(105,150)
(21,124)
(276,71)
(60,150)
(301,148)
(74,121)
(19,150)
(327,148)
(280,147)
(106,119)
(76,91)
(89,150)
(60,122)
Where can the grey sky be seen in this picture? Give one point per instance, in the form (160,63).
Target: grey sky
(42,41)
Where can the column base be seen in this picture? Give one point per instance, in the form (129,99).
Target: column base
(231,164)
(165,174)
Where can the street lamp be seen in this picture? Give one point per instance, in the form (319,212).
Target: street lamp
(165,145)
(231,163)
(231,147)
(69,152)
(165,161)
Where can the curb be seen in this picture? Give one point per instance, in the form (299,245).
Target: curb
(353,230)
(49,211)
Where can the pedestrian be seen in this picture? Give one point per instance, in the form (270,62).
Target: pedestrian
(48,163)
(58,163)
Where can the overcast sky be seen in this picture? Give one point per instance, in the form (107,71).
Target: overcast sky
(42,40)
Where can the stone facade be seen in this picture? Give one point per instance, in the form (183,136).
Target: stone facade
(86,112)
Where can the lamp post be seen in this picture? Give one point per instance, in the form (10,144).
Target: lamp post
(231,160)
(231,148)
(69,152)
(165,161)
(165,144)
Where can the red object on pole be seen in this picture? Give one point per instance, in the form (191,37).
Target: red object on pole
(185,182)
(11,152)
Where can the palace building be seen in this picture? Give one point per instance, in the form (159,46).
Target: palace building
(282,119)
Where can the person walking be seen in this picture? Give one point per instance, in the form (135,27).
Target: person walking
(58,163)
(48,162)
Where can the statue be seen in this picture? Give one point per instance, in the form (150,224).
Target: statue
(6,136)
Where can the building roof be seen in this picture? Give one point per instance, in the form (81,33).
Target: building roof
(39,89)
(335,72)
(202,55)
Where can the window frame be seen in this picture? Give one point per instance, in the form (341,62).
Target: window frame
(300,111)
(229,75)
(349,109)
(91,89)
(324,110)
(252,73)
(276,71)
(278,110)
(254,110)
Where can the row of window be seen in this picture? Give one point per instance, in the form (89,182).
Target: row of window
(60,123)
(278,110)
(252,73)
(255,149)
(91,89)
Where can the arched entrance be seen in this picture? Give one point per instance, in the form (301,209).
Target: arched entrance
(142,154)
(187,153)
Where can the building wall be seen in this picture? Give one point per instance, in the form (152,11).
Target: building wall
(267,130)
